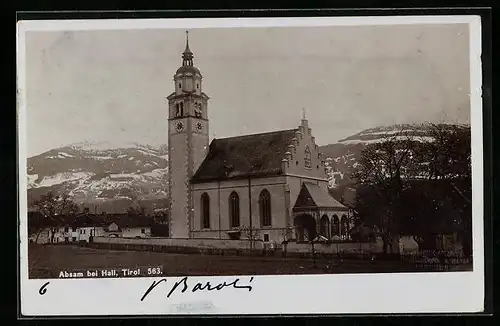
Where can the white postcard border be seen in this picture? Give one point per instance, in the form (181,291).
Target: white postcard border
(294,294)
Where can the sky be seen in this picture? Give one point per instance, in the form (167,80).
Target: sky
(110,85)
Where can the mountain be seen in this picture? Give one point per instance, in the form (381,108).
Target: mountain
(342,157)
(111,177)
(105,175)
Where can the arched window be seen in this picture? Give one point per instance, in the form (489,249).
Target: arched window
(234,210)
(205,211)
(344,225)
(177,109)
(307,157)
(335,225)
(265,208)
(324,225)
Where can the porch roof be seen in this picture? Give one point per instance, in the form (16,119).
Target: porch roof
(312,195)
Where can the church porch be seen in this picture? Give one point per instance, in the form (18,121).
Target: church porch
(317,215)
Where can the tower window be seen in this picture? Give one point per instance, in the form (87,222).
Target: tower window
(197,85)
(197,110)
(182,108)
(180,85)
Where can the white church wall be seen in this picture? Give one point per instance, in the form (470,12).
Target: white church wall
(219,207)
(212,190)
(276,188)
(241,188)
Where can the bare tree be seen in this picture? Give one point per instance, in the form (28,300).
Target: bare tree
(405,184)
(160,216)
(381,167)
(251,234)
(136,210)
(286,233)
(54,211)
(447,160)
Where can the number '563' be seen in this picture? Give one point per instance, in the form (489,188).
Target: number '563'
(154,271)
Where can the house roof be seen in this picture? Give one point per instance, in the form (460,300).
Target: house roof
(122,220)
(129,221)
(312,195)
(89,220)
(256,155)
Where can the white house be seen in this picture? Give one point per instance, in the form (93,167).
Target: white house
(136,227)
(86,226)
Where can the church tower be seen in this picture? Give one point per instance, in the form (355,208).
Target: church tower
(187,141)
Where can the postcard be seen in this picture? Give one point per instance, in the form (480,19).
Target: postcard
(245,166)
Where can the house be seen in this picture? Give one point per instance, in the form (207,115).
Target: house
(85,226)
(252,182)
(129,227)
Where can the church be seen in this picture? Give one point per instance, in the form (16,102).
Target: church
(274,183)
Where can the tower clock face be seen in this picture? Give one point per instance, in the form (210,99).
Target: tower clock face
(179,126)
(199,126)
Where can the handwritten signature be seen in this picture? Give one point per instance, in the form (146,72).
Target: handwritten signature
(184,286)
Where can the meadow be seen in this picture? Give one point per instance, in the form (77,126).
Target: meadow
(47,261)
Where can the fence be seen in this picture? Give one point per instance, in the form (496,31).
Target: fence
(232,247)
(197,244)
(336,247)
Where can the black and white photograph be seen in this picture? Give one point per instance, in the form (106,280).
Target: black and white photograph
(217,161)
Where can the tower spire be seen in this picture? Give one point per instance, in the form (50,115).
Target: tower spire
(187,50)
(303,114)
(187,55)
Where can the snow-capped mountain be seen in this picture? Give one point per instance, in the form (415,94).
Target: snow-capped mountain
(343,156)
(115,175)
(101,172)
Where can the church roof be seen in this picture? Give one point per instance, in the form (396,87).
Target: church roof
(312,195)
(257,155)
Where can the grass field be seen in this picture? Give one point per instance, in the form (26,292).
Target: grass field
(46,261)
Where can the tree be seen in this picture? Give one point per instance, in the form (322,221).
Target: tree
(406,185)
(55,211)
(286,234)
(36,224)
(135,210)
(447,162)
(160,217)
(380,175)
(251,234)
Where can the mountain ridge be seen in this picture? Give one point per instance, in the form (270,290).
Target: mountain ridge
(113,176)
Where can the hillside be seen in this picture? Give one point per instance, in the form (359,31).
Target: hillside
(110,177)
(342,157)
